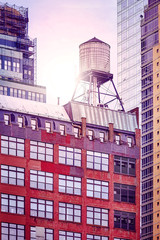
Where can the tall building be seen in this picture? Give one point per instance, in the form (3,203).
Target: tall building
(129,13)
(69,172)
(150,53)
(18,55)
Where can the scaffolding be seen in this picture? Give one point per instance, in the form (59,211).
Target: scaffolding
(13,20)
(14,24)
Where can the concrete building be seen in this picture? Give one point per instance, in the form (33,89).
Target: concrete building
(129,13)
(18,55)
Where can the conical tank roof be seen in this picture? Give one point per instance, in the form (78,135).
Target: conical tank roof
(94,40)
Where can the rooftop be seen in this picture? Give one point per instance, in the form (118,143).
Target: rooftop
(34,108)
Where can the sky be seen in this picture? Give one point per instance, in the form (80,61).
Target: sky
(60,26)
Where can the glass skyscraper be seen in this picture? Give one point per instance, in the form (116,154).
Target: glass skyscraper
(129,14)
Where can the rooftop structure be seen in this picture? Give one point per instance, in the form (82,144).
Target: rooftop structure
(95,85)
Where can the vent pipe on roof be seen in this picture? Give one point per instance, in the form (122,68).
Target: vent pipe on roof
(58,100)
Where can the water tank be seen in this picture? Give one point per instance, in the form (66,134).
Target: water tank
(94,55)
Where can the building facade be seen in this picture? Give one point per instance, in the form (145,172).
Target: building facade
(69,172)
(18,55)
(129,13)
(150,121)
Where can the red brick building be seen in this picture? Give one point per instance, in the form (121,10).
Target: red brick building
(69,172)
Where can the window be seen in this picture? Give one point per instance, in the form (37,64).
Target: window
(46,232)
(41,97)
(12,231)
(33,95)
(19,93)
(147,219)
(147,197)
(23,94)
(95,237)
(76,132)
(70,156)
(69,184)
(147,172)
(70,212)
(120,239)
(16,65)
(12,175)
(12,204)
(124,165)
(5,91)
(41,208)
(7,64)
(6,119)
(37,97)
(117,139)
(146,185)
(34,124)
(62,129)
(124,193)
(15,92)
(64,235)
(102,136)
(97,161)
(124,220)
(12,146)
(90,135)
(41,151)
(20,122)
(97,189)
(129,141)
(48,127)
(29,96)
(1,90)
(97,216)
(41,180)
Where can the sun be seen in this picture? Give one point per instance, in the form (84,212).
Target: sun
(59,77)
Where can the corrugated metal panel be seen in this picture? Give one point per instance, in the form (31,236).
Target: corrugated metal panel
(102,117)
(34,108)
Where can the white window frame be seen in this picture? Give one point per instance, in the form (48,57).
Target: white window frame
(34,124)
(62,129)
(7,120)
(20,121)
(90,134)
